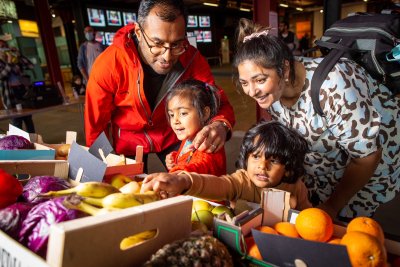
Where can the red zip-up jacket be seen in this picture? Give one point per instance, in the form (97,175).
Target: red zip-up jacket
(200,162)
(115,96)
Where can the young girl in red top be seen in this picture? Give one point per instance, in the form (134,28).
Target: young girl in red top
(189,107)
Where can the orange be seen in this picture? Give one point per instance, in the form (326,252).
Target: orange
(364,249)
(266,229)
(252,249)
(335,241)
(314,224)
(286,229)
(367,225)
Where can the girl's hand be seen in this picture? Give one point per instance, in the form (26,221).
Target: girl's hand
(170,160)
(166,184)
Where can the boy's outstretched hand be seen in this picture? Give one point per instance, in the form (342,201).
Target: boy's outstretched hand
(166,184)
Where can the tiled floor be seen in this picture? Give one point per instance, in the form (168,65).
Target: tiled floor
(53,125)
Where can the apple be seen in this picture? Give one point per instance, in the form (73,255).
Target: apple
(196,225)
(204,216)
(132,187)
(119,180)
(199,204)
(218,210)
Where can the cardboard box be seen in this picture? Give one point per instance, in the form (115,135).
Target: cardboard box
(94,240)
(30,168)
(39,153)
(278,250)
(84,166)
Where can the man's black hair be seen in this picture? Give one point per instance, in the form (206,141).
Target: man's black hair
(171,9)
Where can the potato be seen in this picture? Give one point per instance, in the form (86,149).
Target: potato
(63,150)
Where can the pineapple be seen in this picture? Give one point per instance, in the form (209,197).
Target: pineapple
(192,251)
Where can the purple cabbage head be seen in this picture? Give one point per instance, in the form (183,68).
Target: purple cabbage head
(13,142)
(42,184)
(36,227)
(12,216)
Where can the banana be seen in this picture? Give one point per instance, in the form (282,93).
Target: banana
(121,200)
(136,239)
(75,202)
(87,189)
(147,197)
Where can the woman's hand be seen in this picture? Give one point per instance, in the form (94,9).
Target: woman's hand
(211,138)
(170,160)
(166,184)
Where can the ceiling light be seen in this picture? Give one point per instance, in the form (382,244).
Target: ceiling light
(283,5)
(209,4)
(299,9)
(245,9)
(321,11)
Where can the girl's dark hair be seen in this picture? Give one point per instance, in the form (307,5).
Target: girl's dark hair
(171,9)
(200,94)
(75,77)
(279,142)
(267,51)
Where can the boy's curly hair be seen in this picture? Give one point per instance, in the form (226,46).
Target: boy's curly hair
(279,142)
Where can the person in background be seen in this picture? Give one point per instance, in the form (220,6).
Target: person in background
(288,37)
(88,52)
(271,156)
(354,160)
(15,84)
(304,43)
(78,86)
(130,79)
(190,105)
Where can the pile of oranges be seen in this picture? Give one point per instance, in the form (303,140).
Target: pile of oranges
(364,237)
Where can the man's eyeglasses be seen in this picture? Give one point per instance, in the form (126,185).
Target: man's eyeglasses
(159,49)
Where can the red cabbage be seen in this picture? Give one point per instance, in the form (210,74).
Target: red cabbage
(12,142)
(11,218)
(42,184)
(36,227)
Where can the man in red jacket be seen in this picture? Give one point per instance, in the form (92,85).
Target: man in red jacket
(130,78)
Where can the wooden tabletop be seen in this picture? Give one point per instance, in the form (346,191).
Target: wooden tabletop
(13,113)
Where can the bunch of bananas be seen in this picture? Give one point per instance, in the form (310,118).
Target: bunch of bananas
(102,195)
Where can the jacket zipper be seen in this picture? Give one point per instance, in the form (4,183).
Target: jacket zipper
(183,71)
(380,31)
(150,122)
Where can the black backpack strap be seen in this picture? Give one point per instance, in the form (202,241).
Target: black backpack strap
(320,73)
(337,46)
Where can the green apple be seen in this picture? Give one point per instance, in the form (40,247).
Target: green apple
(204,216)
(221,209)
(199,204)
